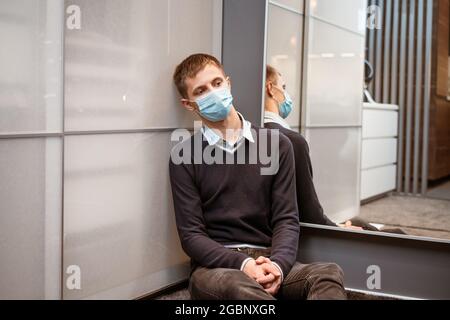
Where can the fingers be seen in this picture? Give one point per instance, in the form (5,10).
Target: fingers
(270,268)
(262,260)
(273,288)
(267,279)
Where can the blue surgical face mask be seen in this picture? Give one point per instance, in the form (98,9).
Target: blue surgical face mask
(285,108)
(216,105)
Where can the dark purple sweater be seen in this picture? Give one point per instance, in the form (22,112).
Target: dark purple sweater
(309,205)
(225,204)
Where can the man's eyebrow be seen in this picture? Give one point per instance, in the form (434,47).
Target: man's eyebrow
(199,87)
(203,85)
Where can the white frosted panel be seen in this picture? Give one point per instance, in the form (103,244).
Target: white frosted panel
(119,222)
(335,155)
(31,65)
(378,181)
(30,218)
(379,124)
(119,65)
(284,52)
(296,5)
(378,152)
(335,76)
(350,14)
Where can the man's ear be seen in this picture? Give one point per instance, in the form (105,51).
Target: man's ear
(187,105)
(269,89)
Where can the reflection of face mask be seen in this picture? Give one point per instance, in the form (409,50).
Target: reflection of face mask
(216,105)
(285,108)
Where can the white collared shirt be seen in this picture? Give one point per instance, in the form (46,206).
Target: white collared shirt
(214,139)
(270,117)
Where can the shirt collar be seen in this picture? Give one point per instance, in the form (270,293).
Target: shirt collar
(271,117)
(214,139)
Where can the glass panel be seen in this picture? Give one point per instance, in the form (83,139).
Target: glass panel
(284,52)
(350,14)
(30,218)
(119,222)
(119,65)
(335,76)
(335,155)
(30,64)
(297,5)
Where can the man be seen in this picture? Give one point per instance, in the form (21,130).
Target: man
(240,227)
(278,106)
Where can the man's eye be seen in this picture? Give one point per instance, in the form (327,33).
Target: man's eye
(218,83)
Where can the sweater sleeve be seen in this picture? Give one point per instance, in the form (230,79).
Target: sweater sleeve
(285,220)
(191,225)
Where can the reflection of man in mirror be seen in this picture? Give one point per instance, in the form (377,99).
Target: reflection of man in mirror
(239,228)
(278,106)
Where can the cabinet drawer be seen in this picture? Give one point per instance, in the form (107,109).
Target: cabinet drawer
(380,124)
(378,181)
(378,152)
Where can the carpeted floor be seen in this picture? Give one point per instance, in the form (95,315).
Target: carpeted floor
(442,191)
(416,216)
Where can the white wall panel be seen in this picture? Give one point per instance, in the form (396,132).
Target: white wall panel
(296,5)
(119,65)
(349,14)
(335,62)
(31,65)
(30,218)
(335,156)
(118,214)
(284,52)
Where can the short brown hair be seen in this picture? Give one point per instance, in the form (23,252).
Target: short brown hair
(271,74)
(189,69)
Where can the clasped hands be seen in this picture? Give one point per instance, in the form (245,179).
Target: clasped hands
(263,271)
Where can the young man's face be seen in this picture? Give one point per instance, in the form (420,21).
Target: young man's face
(209,79)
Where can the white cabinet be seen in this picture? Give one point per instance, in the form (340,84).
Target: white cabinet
(379,149)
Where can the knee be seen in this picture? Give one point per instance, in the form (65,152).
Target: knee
(208,283)
(238,286)
(336,271)
(329,271)
(218,278)
(233,281)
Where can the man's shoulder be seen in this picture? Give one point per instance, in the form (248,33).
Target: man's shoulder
(296,138)
(274,133)
(183,146)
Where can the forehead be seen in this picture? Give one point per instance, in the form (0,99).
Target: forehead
(279,78)
(205,76)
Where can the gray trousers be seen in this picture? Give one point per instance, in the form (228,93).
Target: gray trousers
(318,281)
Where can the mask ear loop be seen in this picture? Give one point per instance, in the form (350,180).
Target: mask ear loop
(273,96)
(196,108)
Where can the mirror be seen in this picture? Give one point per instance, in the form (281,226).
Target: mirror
(376,156)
